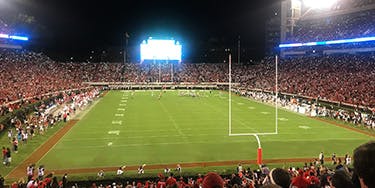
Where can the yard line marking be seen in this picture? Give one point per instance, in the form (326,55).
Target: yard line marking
(173,122)
(116,132)
(117,122)
(304,127)
(235,119)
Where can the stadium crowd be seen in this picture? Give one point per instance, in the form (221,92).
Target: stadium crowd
(334,27)
(344,79)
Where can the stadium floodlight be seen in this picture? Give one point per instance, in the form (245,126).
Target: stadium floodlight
(319,4)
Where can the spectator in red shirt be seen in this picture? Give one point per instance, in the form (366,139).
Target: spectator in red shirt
(171,181)
(161,183)
(300,181)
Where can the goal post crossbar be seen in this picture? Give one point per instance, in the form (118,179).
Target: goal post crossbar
(252,134)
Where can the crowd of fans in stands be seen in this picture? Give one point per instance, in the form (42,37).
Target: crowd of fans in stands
(27,74)
(335,25)
(345,79)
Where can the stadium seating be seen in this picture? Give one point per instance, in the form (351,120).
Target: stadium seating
(335,27)
(346,79)
(309,175)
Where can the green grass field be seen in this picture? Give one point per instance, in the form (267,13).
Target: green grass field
(132,129)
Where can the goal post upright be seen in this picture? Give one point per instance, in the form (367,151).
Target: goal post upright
(276,93)
(230,94)
(256,135)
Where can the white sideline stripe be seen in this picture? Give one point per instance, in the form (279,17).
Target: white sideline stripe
(61,139)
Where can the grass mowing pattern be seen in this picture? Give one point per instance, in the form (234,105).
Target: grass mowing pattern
(178,129)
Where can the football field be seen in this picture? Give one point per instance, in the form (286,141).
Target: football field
(136,127)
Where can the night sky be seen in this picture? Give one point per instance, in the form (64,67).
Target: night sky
(75,27)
